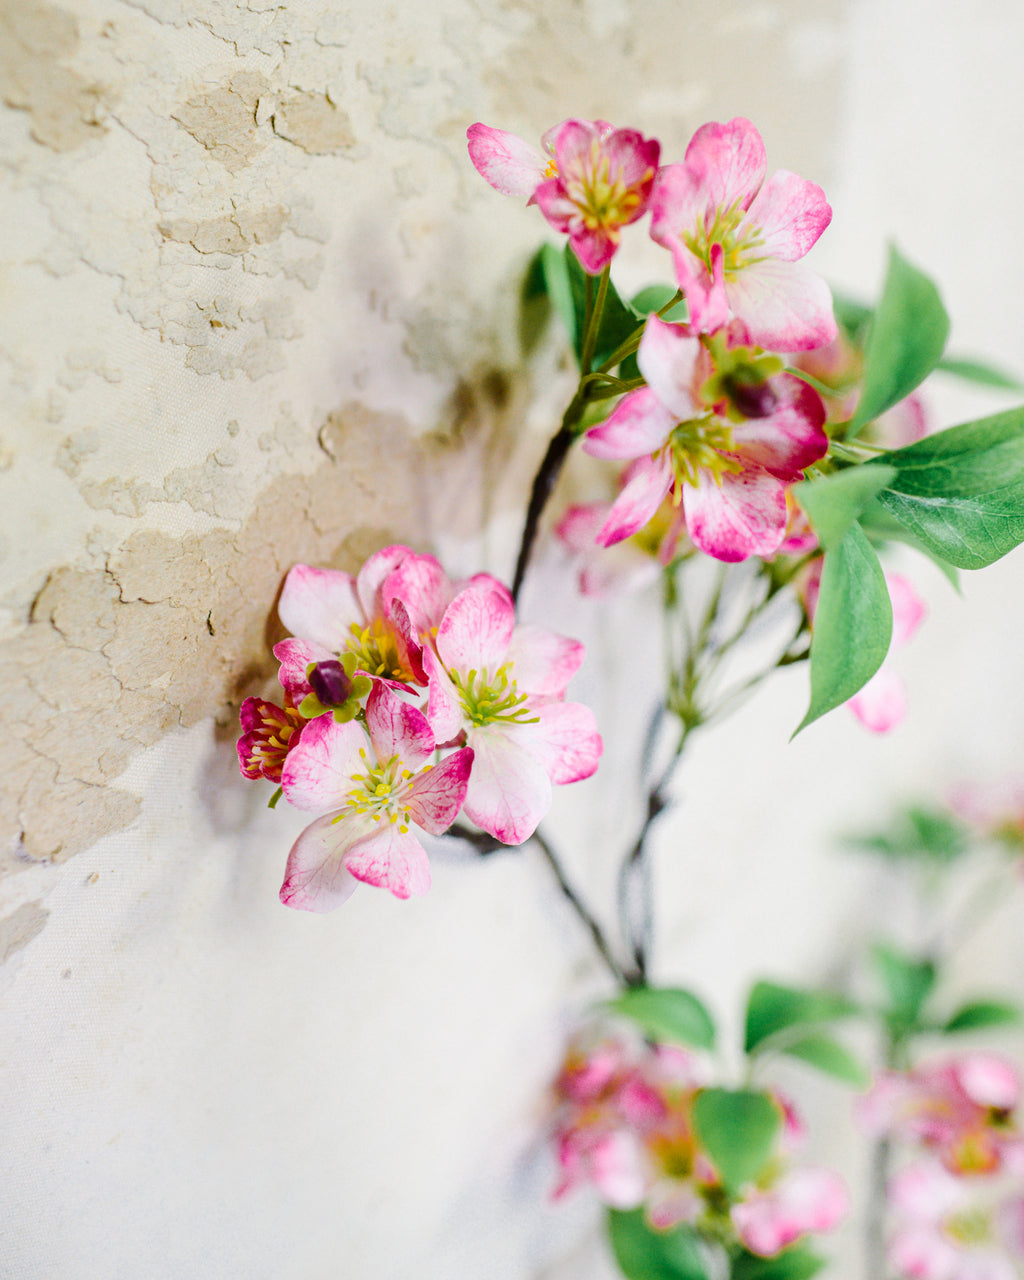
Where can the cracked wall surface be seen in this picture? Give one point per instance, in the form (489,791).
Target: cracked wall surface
(232,226)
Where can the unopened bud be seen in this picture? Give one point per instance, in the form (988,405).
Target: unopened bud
(330,683)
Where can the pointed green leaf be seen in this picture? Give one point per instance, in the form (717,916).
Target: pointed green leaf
(979,371)
(795,1263)
(555,270)
(835,502)
(645,1254)
(737,1128)
(852,625)
(654,297)
(908,983)
(905,341)
(984,1013)
(960,492)
(772,1007)
(881,528)
(830,1056)
(668,1014)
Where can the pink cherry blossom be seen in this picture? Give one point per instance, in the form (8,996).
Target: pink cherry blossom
(627,567)
(736,240)
(804,1199)
(330,613)
(950,1228)
(269,732)
(960,1109)
(500,686)
(589,182)
(729,470)
(375,785)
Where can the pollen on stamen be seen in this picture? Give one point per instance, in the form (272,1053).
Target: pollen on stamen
(406,773)
(403,830)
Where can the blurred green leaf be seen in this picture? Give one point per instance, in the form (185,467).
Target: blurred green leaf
(979,371)
(833,503)
(772,1007)
(908,982)
(737,1128)
(852,315)
(555,270)
(645,1254)
(977,1014)
(618,320)
(960,492)
(928,834)
(852,625)
(905,341)
(798,1262)
(654,297)
(831,1057)
(668,1014)
(534,304)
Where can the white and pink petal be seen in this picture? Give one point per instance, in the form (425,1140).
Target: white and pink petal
(317,773)
(397,728)
(640,497)
(390,859)
(543,662)
(743,516)
(319,605)
(436,795)
(316,878)
(476,628)
(509,789)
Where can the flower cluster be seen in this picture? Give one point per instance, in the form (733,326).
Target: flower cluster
(625,1125)
(408,699)
(958,1203)
(718,426)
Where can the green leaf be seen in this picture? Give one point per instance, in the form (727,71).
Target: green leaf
(667,1014)
(851,314)
(852,625)
(981,372)
(534,303)
(555,271)
(960,492)
(737,1128)
(654,297)
(772,1007)
(795,1263)
(833,504)
(882,528)
(645,1254)
(908,984)
(984,1013)
(566,284)
(928,834)
(905,341)
(830,1056)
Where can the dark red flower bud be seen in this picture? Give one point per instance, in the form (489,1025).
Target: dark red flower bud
(330,683)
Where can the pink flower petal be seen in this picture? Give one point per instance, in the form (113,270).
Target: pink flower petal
(791,214)
(638,424)
(436,795)
(316,878)
(792,437)
(372,576)
(908,609)
(882,703)
(543,662)
(727,163)
(476,629)
(744,516)
(423,587)
(668,356)
(391,860)
(511,165)
(317,773)
(397,728)
(649,482)
(319,605)
(509,789)
(294,657)
(565,740)
(444,709)
(782,306)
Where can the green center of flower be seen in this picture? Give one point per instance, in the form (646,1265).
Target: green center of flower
(701,444)
(604,202)
(739,239)
(380,792)
(488,699)
(378,652)
(969,1227)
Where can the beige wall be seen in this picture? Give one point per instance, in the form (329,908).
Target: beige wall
(258,309)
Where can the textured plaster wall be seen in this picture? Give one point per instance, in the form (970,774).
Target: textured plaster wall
(258,309)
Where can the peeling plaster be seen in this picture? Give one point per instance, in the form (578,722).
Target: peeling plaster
(19,928)
(173,630)
(65,109)
(313,122)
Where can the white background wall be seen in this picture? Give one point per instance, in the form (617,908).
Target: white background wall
(197,1082)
